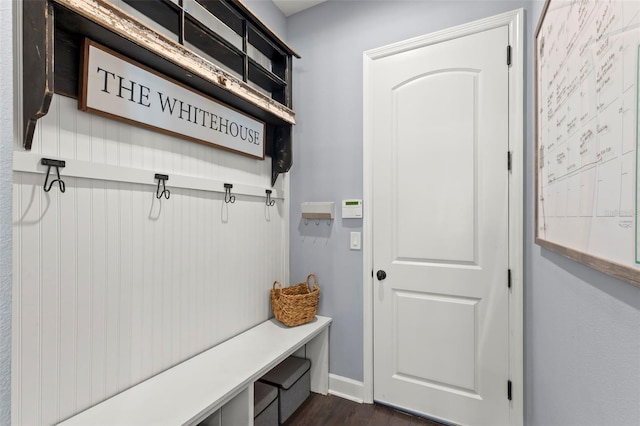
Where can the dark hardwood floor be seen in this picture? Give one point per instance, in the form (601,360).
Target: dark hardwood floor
(319,410)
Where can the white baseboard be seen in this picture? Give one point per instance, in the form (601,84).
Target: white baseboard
(346,388)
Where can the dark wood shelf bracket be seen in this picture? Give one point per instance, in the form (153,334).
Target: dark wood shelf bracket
(37,44)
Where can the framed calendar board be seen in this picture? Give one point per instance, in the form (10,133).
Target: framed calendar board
(586,93)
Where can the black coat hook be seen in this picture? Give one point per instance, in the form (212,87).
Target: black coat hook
(162,179)
(228,198)
(57,164)
(269,201)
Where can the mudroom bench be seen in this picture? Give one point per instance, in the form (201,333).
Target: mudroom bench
(216,386)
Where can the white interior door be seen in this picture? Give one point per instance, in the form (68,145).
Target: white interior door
(440,228)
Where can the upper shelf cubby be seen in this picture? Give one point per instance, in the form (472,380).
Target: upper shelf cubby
(224,33)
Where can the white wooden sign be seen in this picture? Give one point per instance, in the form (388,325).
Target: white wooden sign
(120,88)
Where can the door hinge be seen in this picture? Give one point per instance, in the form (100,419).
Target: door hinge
(509,160)
(509,278)
(508,55)
(372,273)
(509,390)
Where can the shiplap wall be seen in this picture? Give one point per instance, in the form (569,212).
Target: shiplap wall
(111,285)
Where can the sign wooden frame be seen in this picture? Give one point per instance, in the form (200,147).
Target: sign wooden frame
(609,267)
(164,117)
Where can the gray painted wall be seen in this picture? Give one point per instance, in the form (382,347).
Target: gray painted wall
(582,328)
(6,147)
(268,13)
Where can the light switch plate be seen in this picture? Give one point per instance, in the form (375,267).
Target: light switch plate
(355,241)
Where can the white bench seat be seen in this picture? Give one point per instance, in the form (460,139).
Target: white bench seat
(194,389)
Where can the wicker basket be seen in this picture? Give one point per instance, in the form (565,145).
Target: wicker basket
(297,304)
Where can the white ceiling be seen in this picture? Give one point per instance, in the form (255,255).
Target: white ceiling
(289,7)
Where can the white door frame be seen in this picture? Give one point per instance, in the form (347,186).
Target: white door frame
(514,20)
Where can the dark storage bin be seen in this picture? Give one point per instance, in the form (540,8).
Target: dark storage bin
(265,404)
(292,378)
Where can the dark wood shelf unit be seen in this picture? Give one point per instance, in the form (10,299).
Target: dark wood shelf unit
(213,45)
(165,13)
(189,29)
(279,59)
(60,26)
(231,17)
(268,81)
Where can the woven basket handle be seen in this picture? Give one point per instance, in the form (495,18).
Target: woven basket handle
(279,285)
(315,281)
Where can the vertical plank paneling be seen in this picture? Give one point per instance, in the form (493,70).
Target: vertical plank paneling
(136,147)
(225,286)
(68,294)
(49,282)
(137,294)
(173,290)
(111,145)
(186,328)
(165,244)
(30,297)
(96,141)
(146,141)
(113,285)
(146,366)
(125,284)
(68,291)
(190,273)
(124,146)
(82,134)
(246,251)
(84,272)
(203,283)
(98,233)
(210,271)
(113,281)
(16,334)
(156,284)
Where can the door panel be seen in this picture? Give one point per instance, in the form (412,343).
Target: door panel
(448,128)
(420,314)
(440,223)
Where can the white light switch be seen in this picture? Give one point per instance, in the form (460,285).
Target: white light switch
(355,241)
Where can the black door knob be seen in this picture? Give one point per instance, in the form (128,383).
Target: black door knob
(381,275)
